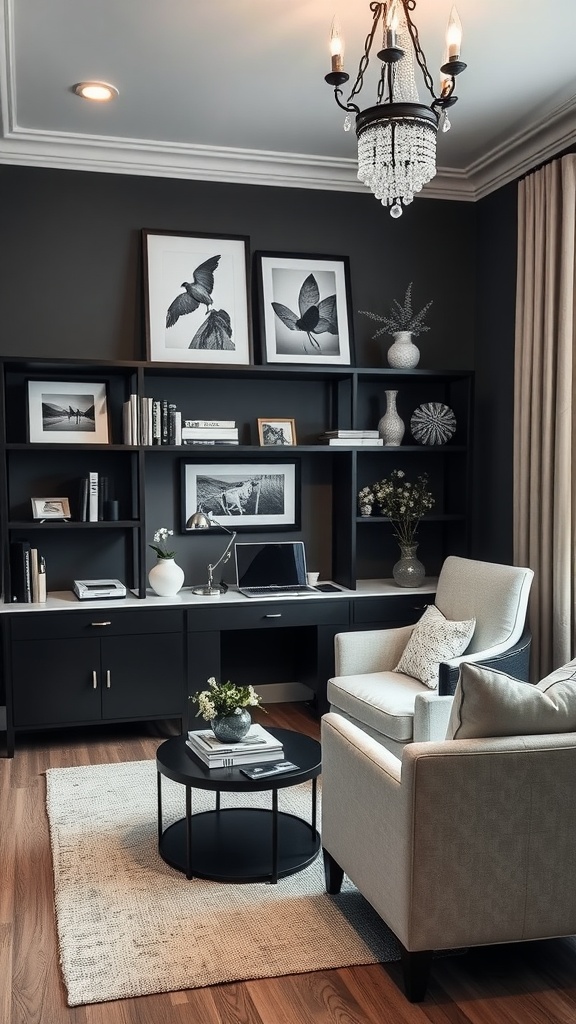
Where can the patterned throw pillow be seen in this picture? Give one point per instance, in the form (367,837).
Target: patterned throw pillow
(434,639)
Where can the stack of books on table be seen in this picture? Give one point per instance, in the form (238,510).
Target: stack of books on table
(351,438)
(257,747)
(209,432)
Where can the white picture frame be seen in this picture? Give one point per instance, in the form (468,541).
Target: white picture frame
(203,319)
(67,412)
(243,496)
(50,508)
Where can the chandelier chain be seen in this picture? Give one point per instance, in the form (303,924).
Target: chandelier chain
(376,8)
(418,51)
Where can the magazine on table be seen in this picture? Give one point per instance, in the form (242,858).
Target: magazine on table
(264,771)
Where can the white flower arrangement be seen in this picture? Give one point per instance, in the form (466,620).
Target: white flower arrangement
(159,546)
(403,502)
(225,699)
(401,317)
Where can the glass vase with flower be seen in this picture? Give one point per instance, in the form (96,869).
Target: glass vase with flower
(404,503)
(225,706)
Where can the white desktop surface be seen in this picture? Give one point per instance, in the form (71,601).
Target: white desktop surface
(66,600)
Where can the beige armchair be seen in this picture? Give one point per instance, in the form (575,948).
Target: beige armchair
(396,708)
(460,843)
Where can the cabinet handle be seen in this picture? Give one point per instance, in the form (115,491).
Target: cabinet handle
(107,678)
(94,681)
(100,623)
(273,615)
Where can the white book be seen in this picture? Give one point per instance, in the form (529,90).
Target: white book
(220,433)
(93,497)
(257,738)
(177,427)
(209,423)
(350,433)
(353,442)
(231,760)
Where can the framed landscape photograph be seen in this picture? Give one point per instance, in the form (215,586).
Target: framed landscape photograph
(243,496)
(67,412)
(276,432)
(196,297)
(50,508)
(304,308)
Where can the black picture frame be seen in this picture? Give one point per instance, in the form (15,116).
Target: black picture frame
(197,321)
(296,292)
(244,496)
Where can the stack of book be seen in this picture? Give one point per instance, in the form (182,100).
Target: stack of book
(257,747)
(93,494)
(351,438)
(27,573)
(208,432)
(150,421)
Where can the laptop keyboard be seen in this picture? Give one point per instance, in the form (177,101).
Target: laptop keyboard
(275,591)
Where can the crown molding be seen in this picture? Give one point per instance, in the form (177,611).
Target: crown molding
(498,167)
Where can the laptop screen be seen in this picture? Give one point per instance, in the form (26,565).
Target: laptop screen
(271,565)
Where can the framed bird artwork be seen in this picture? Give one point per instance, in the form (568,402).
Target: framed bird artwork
(304,308)
(196,297)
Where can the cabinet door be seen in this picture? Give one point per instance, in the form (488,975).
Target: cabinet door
(143,676)
(56,683)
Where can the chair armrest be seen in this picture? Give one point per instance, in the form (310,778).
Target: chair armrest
(431,717)
(515,662)
(369,650)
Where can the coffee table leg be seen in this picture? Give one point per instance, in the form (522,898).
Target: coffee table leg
(314,781)
(274,877)
(188,832)
(159,789)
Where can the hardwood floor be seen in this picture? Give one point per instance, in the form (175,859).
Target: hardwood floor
(533,983)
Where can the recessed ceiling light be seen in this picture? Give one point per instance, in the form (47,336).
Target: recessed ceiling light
(99,91)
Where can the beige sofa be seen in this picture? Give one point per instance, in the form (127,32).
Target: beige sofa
(461,842)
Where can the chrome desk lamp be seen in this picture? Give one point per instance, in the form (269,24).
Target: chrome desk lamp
(203,521)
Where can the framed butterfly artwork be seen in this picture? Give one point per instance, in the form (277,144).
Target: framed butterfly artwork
(196,298)
(304,309)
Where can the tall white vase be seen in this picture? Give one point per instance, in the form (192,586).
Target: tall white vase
(403,354)
(391,426)
(166,578)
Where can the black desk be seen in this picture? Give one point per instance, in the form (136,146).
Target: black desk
(239,844)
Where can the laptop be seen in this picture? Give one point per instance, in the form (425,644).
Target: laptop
(272,570)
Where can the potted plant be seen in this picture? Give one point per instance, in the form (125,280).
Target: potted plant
(225,706)
(402,323)
(165,578)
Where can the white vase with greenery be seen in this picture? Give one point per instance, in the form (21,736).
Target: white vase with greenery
(404,325)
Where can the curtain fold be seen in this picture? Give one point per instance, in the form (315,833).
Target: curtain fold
(545,408)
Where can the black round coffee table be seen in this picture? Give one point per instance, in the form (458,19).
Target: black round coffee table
(240,844)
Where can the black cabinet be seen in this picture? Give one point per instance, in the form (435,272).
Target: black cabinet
(76,669)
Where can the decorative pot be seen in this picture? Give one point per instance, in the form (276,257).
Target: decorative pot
(166,578)
(391,426)
(403,354)
(408,570)
(233,727)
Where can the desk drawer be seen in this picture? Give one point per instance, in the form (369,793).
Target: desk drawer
(270,613)
(390,611)
(60,625)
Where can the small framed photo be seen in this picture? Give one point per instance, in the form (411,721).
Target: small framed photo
(50,508)
(304,308)
(243,496)
(67,412)
(196,297)
(276,431)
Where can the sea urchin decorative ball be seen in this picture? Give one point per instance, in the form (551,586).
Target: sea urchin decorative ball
(432,423)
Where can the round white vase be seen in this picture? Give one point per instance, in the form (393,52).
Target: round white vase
(391,426)
(403,354)
(166,578)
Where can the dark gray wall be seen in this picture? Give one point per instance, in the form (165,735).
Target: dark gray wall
(70,266)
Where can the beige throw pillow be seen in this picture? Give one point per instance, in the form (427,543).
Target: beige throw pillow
(434,639)
(491,703)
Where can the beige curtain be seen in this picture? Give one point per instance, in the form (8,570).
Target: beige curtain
(545,408)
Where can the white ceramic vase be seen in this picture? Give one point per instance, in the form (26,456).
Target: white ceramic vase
(391,426)
(166,578)
(403,354)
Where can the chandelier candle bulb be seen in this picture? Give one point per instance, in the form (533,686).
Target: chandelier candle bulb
(454,35)
(336,47)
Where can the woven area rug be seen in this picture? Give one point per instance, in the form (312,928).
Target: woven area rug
(130,925)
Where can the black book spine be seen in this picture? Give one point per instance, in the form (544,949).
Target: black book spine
(20,579)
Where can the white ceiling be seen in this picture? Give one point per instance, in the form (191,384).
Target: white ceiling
(233,90)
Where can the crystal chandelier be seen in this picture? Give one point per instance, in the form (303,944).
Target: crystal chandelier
(397,137)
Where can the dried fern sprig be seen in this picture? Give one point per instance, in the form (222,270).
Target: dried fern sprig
(401,317)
